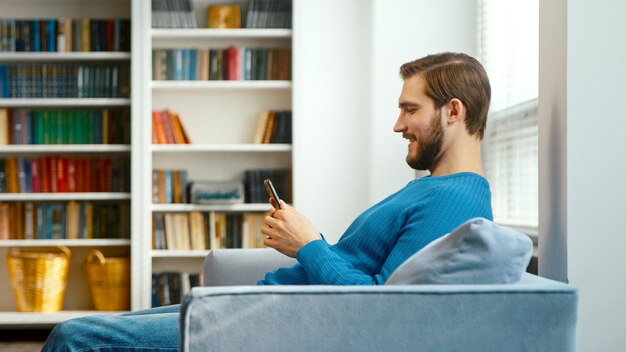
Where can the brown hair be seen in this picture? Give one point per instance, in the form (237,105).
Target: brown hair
(455,75)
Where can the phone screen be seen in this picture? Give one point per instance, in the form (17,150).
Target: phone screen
(272,191)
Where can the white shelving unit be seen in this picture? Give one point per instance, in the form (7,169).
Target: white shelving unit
(53,197)
(69,243)
(220,118)
(40,149)
(63,102)
(220,148)
(64,57)
(77,300)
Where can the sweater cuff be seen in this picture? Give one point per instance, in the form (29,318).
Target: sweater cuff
(310,251)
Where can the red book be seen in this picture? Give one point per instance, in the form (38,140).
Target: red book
(61,172)
(79,175)
(94,170)
(54,186)
(45,174)
(167,127)
(34,175)
(87,175)
(233,63)
(109,34)
(105,175)
(71,175)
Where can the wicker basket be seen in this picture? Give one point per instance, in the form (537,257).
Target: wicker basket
(109,280)
(39,277)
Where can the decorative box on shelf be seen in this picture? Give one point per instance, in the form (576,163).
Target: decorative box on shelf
(205,192)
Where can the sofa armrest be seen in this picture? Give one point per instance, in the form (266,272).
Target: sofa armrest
(229,267)
(519,317)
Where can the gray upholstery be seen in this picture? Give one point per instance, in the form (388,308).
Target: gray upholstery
(535,314)
(225,267)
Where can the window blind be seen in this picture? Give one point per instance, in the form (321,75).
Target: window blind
(508,42)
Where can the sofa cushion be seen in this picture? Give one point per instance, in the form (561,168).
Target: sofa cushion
(477,252)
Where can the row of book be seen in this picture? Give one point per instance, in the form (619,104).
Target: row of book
(64,34)
(82,126)
(173,14)
(232,63)
(269,14)
(167,128)
(169,186)
(63,174)
(273,127)
(170,287)
(236,230)
(70,220)
(255,191)
(64,80)
(192,231)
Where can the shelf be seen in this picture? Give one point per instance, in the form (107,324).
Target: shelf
(63,148)
(166,253)
(69,243)
(233,34)
(62,102)
(64,56)
(226,148)
(241,207)
(215,85)
(45,319)
(64,196)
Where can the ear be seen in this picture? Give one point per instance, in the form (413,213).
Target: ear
(456,111)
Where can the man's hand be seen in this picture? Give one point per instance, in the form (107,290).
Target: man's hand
(287,230)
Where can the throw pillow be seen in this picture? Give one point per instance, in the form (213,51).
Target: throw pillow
(477,252)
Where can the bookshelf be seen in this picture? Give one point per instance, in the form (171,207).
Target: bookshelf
(220,118)
(63,99)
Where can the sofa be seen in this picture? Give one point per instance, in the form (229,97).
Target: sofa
(525,313)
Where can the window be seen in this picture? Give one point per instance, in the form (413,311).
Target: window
(508,42)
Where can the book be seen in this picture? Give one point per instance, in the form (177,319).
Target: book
(224,16)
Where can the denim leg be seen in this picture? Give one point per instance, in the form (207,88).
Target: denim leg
(155,329)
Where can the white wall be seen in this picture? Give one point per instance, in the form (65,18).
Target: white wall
(347,55)
(331,54)
(405,30)
(585,107)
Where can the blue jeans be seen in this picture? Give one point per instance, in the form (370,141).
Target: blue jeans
(155,329)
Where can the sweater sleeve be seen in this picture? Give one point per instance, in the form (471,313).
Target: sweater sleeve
(325,267)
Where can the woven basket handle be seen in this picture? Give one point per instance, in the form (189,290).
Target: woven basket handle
(63,249)
(97,254)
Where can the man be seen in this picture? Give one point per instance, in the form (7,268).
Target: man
(443,113)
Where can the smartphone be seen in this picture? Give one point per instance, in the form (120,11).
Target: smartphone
(272,191)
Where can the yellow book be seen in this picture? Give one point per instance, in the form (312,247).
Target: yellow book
(4,126)
(196,224)
(261,124)
(85,31)
(72,220)
(224,16)
(89,219)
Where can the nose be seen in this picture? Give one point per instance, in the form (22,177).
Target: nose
(399,126)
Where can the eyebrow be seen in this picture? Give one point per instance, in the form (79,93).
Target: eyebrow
(407,104)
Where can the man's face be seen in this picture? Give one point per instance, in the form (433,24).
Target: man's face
(420,123)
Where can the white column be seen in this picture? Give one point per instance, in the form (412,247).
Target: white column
(583,161)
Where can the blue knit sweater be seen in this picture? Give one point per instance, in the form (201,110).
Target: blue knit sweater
(388,233)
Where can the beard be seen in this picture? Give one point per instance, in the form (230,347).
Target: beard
(428,148)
